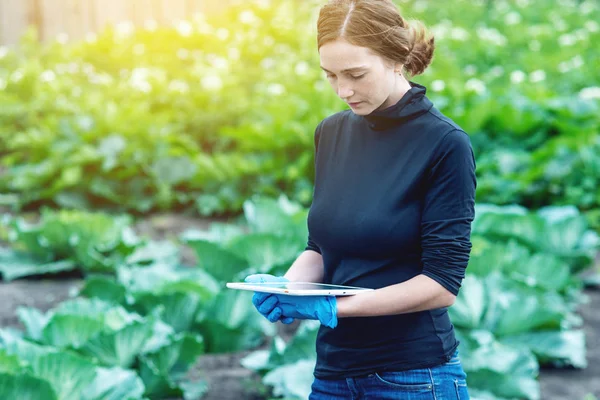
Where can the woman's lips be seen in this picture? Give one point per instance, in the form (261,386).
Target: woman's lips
(354,105)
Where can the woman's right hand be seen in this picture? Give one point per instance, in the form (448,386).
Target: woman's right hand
(267,303)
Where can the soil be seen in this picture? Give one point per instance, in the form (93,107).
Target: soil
(229,381)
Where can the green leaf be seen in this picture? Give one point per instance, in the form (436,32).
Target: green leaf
(515,261)
(94,308)
(231,308)
(468,309)
(560,348)
(223,339)
(175,358)
(293,380)
(9,363)
(119,348)
(265,251)
(25,350)
(180,309)
(15,264)
(541,270)
(565,233)
(155,252)
(70,176)
(103,288)
(218,262)
(487,257)
(110,148)
(218,233)
(114,384)
(27,236)
(193,390)
(34,321)
(279,217)
(195,281)
(302,344)
(191,347)
(162,335)
(508,222)
(117,318)
(80,236)
(70,330)
(504,371)
(70,375)
(113,317)
(231,323)
(25,387)
(164,370)
(157,385)
(173,170)
(300,347)
(163,278)
(515,308)
(561,231)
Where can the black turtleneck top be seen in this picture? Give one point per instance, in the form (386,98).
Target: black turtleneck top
(393,198)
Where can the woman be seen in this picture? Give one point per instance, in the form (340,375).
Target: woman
(392,210)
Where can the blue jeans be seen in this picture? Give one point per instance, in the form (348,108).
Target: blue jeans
(444,382)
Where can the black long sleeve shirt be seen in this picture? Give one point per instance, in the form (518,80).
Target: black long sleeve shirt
(394,197)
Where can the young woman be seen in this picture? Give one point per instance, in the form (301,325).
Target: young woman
(392,210)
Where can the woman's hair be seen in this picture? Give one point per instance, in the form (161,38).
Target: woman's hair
(378,25)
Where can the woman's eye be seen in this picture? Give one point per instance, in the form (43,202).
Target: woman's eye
(358,76)
(329,76)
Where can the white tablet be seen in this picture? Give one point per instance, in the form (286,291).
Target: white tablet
(299,288)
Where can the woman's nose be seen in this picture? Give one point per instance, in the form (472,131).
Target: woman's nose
(345,91)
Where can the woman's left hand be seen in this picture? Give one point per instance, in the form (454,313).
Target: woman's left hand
(322,308)
(266,303)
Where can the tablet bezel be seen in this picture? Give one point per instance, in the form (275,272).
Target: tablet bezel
(270,287)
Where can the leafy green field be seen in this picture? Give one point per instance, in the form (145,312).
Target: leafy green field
(142,318)
(217,109)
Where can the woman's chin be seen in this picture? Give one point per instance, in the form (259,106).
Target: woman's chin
(362,109)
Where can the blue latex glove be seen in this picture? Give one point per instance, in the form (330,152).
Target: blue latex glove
(266,303)
(322,308)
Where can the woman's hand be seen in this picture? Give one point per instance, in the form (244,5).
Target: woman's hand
(322,308)
(266,303)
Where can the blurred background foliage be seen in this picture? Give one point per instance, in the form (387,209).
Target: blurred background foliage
(217,108)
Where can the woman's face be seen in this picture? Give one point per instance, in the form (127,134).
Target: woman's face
(360,77)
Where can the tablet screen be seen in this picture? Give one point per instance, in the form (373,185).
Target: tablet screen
(302,286)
